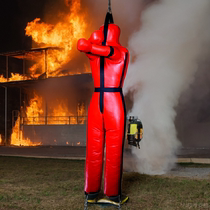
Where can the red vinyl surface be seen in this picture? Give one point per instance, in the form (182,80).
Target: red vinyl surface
(105,129)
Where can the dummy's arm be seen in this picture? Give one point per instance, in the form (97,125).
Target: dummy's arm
(86,46)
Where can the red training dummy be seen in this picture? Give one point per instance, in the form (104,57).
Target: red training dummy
(106,114)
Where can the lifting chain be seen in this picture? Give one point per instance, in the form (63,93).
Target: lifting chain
(109,7)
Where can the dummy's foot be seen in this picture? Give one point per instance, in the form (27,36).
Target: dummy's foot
(90,199)
(114,201)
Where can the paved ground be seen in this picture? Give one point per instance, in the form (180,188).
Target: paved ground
(79,152)
(44,151)
(69,152)
(194,153)
(190,172)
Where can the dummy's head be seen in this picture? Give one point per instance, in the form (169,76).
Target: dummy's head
(113,34)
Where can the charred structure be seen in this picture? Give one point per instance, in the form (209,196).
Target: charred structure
(51,109)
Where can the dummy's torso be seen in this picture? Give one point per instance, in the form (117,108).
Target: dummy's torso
(114,70)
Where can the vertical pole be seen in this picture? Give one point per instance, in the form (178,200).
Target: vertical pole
(5,122)
(46,62)
(20,126)
(6,92)
(24,67)
(7,67)
(46,72)
(20,101)
(46,112)
(25,119)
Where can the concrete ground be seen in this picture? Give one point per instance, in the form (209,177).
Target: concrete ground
(195,155)
(64,152)
(189,172)
(187,155)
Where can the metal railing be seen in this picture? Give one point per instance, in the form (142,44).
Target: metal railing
(54,120)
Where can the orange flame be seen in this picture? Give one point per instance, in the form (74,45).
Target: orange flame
(35,108)
(17,136)
(64,34)
(62,115)
(35,115)
(14,77)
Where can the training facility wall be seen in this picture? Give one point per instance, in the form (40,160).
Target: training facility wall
(71,135)
(196,136)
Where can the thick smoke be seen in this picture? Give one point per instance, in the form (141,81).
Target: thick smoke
(165,54)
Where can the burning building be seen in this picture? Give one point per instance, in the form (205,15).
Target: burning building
(53,93)
(52,110)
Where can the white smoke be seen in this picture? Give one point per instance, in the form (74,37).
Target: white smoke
(165,53)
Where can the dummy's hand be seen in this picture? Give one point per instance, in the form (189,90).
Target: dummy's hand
(84,45)
(97,37)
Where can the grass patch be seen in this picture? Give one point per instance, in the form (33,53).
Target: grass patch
(27,183)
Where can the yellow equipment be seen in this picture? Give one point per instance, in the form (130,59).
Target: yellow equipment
(135,131)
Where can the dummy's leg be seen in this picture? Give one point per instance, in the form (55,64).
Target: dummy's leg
(113,170)
(94,151)
(115,119)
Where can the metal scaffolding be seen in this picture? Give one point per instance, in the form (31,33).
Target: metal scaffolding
(32,54)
